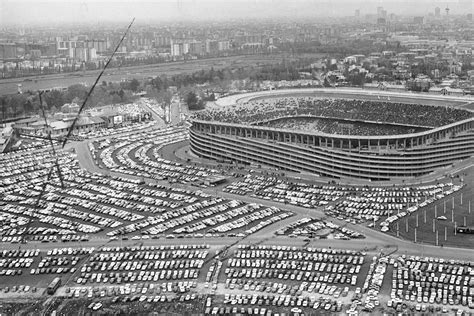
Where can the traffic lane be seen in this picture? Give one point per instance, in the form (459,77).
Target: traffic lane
(372,236)
(175,114)
(221,242)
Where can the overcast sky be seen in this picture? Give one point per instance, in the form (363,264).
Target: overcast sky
(93,11)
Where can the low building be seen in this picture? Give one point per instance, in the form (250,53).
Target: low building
(214,180)
(25,122)
(84,124)
(6,137)
(70,108)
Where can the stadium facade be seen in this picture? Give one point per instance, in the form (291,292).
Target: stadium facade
(336,156)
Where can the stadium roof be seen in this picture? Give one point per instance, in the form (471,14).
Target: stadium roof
(353,137)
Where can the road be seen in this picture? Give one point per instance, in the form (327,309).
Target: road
(154,114)
(374,239)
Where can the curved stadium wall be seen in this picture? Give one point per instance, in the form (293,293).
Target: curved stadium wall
(336,156)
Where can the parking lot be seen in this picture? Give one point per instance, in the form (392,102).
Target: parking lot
(436,222)
(213,280)
(432,283)
(93,204)
(377,207)
(146,212)
(115,265)
(139,155)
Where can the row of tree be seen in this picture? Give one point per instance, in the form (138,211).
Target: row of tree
(29,103)
(191,87)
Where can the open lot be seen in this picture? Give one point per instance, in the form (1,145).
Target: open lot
(124,244)
(79,206)
(271,278)
(321,229)
(435,223)
(9,86)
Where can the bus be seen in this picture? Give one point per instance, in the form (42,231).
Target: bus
(53,286)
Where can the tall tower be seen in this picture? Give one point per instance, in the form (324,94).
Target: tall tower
(379,11)
(447,11)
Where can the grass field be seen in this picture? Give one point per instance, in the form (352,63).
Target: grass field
(454,207)
(9,86)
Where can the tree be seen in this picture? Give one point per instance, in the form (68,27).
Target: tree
(356,78)
(76,91)
(121,94)
(76,100)
(116,99)
(17,103)
(134,84)
(193,102)
(28,107)
(326,83)
(54,98)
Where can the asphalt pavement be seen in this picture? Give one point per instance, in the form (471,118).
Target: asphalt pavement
(374,238)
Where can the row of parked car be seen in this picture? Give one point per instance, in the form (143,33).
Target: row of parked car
(20,289)
(166,289)
(14,164)
(307,254)
(21,204)
(19,253)
(108,254)
(15,263)
(325,271)
(20,172)
(278,301)
(374,203)
(373,282)
(222,218)
(56,260)
(423,280)
(134,275)
(436,194)
(144,263)
(140,155)
(62,219)
(93,203)
(300,194)
(111,132)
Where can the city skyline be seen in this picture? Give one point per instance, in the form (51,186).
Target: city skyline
(105,11)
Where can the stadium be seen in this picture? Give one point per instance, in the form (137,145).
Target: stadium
(336,135)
